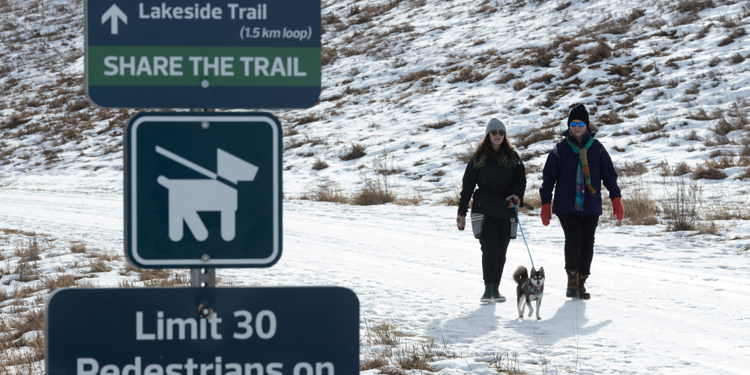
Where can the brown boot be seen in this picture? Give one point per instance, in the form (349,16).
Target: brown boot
(572,291)
(581,286)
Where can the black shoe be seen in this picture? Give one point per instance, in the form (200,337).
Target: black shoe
(487,296)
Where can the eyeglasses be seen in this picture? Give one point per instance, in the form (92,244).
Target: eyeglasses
(573,124)
(497,132)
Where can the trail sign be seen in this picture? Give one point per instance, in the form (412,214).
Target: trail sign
(203,190)
(228,331)
(217,54)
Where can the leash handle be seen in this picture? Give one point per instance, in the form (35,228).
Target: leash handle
(515,207)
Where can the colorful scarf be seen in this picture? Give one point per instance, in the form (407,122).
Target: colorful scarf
(583,175)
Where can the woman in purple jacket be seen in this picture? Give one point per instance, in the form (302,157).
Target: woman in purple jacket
(576,169)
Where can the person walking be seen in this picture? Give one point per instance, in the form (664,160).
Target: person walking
(576,168)
(501,176)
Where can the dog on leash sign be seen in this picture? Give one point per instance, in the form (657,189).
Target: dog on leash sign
(203,190)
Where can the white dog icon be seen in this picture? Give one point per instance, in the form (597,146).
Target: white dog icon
(188,197)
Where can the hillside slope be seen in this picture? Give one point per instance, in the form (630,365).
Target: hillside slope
(411,84)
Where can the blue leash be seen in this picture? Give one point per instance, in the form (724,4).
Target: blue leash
(522,235)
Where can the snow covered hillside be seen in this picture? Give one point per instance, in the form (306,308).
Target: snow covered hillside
(408,86)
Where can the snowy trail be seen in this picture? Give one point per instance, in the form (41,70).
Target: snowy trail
(662,303)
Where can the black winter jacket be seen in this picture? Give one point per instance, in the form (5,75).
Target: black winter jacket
(496,183)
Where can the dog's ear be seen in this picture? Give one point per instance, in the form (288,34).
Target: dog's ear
(533,270)
(541,270)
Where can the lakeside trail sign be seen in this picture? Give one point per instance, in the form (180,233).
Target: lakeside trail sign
(217,54)
(202,331)
(203,190)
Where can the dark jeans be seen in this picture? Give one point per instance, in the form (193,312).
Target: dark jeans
(579,241)
(494,240)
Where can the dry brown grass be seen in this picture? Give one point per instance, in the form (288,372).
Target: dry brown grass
(534,136)
(708,171)
(325,191)
(62,281)
(319,165)
(356,151)
(440,124)
(151,274)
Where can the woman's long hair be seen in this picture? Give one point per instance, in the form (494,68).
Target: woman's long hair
(506,155)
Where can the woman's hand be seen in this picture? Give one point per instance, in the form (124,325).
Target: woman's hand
(546,213)
(513,200)
(461,222)
(617,209)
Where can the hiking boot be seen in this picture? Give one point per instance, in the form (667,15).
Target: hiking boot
(487,296)
(581,287)
(496,296)
(572,291)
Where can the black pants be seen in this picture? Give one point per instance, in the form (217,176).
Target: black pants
(494,240)
(579,241)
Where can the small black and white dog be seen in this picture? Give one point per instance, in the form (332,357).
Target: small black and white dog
(529,289)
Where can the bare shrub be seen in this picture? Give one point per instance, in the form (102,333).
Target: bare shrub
(599,53)
(737,58)
(652,125)
(737,33)
(610,118)
(562,5)
(468,75)
(641,208)
(416,76)
(681,169)
(99,265)
(519,85)
(78,248)
(151,274)
(62,281)
(681,203)
(541,56)
(693,6)
(534,136)
(546,78)
(325,191)
(356,151)
(440,124)
(319,164)
(634,168)
(505,78)
(384,164)
(375,191)
(708,171)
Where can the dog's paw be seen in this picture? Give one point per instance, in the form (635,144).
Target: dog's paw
(538,318)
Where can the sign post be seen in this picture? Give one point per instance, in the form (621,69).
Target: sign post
(217,54)
(203,191)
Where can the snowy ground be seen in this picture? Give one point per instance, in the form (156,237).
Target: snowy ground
(662,302)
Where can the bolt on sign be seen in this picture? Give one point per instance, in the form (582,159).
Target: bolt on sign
(203,190)
(217,54)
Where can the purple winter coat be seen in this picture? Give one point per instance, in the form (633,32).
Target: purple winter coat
(560,173)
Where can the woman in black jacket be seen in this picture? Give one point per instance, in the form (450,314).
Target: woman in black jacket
(499,172)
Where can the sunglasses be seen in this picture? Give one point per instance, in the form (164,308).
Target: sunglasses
(573,124)
(497,132)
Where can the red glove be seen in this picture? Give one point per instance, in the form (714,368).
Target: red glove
(461,222)
(546,213)
(617,209)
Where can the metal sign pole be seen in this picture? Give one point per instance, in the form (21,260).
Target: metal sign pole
(203,277)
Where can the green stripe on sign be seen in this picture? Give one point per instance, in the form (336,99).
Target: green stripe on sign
(188,66)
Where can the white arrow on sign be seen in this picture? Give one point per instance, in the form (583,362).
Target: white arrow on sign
(114,13)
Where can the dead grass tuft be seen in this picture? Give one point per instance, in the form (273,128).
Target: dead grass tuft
(356,151)
(708,171)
